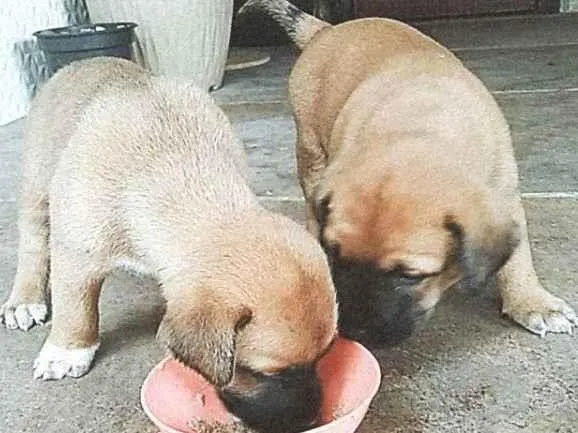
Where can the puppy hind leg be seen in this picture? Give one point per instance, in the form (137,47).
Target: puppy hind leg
(27,304)
(311,162)
(73,340)
(524,298)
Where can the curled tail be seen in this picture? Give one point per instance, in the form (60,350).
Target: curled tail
(299,25)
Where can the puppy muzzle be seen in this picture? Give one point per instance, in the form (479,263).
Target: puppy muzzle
(287,402)
(375,307)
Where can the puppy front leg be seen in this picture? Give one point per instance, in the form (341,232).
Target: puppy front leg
(26,305)
(311,162)
(73,340)
(524,298)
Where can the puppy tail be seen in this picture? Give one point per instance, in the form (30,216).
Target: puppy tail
(299,25)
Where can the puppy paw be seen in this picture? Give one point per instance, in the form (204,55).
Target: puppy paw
(23,316)
(55,362)
(542,313)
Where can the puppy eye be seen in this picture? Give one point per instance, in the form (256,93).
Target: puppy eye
(409,277)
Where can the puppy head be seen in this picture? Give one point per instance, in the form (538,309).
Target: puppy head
(258,325)
(394,251)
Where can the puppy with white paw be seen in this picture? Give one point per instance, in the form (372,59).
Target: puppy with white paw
(123,168)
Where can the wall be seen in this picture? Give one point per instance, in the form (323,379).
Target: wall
(21,62)
(569,6)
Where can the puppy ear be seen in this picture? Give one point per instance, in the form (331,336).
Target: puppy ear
(322,216)
(481,255)
(204,337)
(322,211)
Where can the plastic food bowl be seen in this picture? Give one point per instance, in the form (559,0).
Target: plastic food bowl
(174,396)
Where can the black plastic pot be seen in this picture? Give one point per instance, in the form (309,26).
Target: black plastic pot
(64,45)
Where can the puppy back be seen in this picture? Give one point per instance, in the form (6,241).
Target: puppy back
(62,101)
(75,85)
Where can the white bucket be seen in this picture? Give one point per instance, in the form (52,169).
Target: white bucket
(187,39)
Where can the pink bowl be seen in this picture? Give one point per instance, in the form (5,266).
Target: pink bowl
(173,395)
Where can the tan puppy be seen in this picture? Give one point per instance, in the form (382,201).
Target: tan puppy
(407,167)
(124,169)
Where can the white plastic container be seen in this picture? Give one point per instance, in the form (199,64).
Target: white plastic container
(186,39)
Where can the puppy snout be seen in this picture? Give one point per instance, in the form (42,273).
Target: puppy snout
(375,308)
(385,323)
(286,402)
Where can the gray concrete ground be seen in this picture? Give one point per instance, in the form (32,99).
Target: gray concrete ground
(470,370)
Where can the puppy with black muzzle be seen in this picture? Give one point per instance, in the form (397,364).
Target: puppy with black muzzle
(123,169)
(409,176)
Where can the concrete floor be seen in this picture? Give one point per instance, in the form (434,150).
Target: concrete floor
(469,371)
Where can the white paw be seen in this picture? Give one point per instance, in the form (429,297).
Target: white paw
(55,362)
(543,313)
(23,316)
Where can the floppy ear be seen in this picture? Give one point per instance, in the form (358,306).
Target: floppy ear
(322,211)
(322,215)
(203,337)
(481,255)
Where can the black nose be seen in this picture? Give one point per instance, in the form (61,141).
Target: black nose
(287,402)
